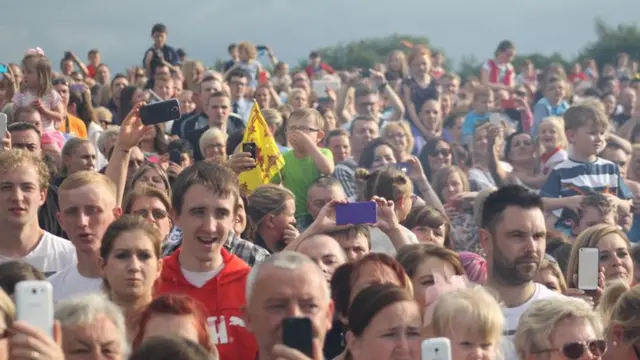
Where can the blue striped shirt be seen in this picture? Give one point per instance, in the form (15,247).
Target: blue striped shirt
(570,178)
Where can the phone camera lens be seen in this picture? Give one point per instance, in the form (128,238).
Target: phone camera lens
(34,291)
(437,350)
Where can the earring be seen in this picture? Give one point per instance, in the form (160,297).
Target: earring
(615,343)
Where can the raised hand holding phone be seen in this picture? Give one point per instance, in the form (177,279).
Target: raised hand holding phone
(387,219)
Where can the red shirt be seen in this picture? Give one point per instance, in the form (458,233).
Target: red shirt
(311,70)
(222,297)
(92,70)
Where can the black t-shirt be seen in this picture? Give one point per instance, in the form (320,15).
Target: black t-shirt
(47,213)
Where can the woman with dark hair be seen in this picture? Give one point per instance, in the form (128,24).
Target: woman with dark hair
(498,72)
(347,281)
(389,310)
(378,153)
(521,154)
(430,225)
(435,155)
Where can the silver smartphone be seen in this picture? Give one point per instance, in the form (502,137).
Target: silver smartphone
(3,125)
(436,349)
(34,304)
(588,268)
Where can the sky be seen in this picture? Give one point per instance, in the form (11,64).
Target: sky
(204,28)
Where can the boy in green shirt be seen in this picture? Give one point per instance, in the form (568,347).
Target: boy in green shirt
(305,162)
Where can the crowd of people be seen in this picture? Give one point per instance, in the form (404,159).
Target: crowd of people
(486,189)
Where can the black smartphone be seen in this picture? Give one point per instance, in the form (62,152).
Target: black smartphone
(160,112)
(249,147)
(261,48)
(175,157)
(297,333)
(365,73)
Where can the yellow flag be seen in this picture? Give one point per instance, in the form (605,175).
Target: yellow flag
(268,156)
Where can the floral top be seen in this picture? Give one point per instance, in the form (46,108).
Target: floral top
(51,100)
(465,233)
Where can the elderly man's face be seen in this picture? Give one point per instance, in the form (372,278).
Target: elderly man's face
(281,293)
(99,339)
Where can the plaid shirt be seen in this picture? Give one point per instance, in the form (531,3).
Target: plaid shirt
(245,250)
(345,173)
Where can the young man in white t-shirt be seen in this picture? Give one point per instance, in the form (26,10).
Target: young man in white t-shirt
(513,235)
(24,179)
(87,208)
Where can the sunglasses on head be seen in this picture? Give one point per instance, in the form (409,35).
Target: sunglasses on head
(575,350)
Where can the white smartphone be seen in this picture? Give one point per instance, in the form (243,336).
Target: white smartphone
(34,304)
(3,125)
(588,268)
(436,349)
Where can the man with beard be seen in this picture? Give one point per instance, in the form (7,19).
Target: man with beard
(513,234)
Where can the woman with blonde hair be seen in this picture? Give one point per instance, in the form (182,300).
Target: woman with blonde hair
(397,69)
(471,319)
(398,133)
(192,71)
(248,54)
(560,328)
(213,145)
(550,275)
(622,323)
(270,214)
(614,247)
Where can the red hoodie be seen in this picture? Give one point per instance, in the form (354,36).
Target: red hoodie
(222,297)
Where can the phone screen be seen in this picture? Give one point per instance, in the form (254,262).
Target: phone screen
(297,333)
(588,268)
(356,213)
(250,147)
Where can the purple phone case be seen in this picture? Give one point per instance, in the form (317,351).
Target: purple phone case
(356,213)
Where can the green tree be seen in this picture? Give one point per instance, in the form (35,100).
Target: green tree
(611,41)
(366,52)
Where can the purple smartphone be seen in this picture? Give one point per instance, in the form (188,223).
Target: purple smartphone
(356,213)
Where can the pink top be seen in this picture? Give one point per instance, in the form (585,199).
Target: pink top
(50,100)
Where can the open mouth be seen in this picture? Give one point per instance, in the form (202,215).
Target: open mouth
(206,240)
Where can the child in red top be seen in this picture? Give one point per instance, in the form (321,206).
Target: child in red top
(206,200)
(316,66)
(577,74)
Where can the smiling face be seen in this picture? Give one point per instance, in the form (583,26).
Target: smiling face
(383,156)
(206,218)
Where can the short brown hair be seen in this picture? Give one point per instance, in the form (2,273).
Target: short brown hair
(351,231)
(311,116)
(411,256)
(431,217)
(12,159)
(220,179)
(21,111)
(599,201)
(482,91)
(128,223)
(84,178)
(584,114)
(145,191)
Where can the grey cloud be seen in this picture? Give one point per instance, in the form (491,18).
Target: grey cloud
(120,28)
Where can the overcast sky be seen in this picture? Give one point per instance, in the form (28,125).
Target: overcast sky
(204,28)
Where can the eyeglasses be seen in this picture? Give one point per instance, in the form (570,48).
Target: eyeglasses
(443,152)
(59,81)
(156,214)
(575,350)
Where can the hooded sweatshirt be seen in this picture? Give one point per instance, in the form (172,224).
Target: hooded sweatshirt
(222,297)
